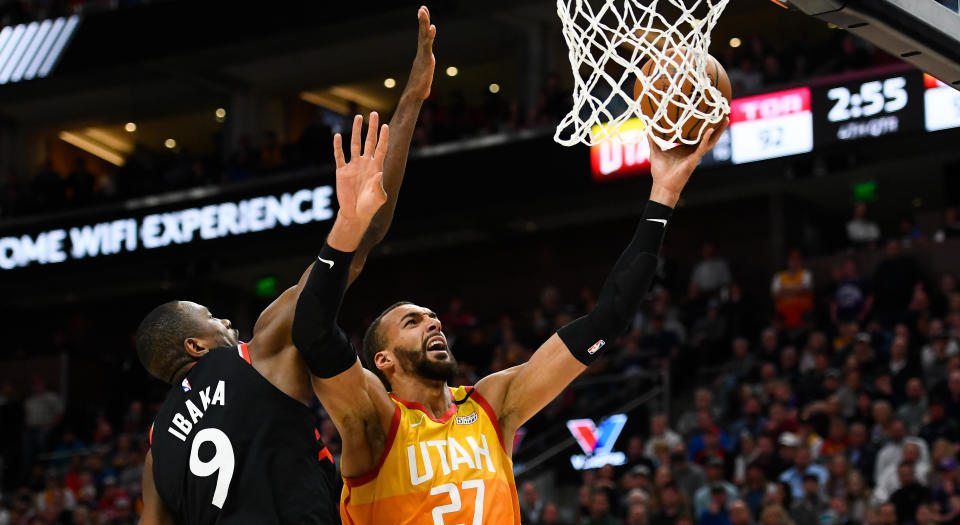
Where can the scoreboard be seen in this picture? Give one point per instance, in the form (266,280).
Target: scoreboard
(771,125)
(796,121)
(941,105)
(869,107)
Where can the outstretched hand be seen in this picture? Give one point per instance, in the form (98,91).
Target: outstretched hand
(421,74)
(360,182)
(671,169)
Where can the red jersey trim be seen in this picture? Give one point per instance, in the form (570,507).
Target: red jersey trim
(490,413)
(242,348)
(325,454)
(150,437)
(370,476)
(413,405)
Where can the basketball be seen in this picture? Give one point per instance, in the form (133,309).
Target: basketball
(651,101)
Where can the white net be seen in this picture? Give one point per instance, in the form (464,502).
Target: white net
(610,40)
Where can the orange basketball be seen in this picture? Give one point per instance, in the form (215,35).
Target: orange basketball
(651,101)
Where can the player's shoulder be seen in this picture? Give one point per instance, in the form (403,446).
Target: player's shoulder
(493,387)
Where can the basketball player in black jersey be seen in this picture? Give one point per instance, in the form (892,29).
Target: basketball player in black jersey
(234,442)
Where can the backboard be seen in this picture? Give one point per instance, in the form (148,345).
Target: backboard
(925,33)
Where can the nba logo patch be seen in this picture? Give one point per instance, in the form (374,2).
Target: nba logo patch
(185,385)
(467,420)
(596,347)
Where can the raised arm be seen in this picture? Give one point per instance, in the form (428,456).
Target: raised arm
(355,399)
(272,329)
(516,394)
(401,131)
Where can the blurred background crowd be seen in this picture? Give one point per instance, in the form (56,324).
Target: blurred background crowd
(823,402)
(797,361)
(448,116)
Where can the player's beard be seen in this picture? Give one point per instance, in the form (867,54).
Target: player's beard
(415,361)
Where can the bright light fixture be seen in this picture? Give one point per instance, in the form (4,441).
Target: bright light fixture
(92,147)
(130,127)
(170,143)
(390,83)
(452,71)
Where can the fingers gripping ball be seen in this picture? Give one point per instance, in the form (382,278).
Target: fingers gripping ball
(666,107)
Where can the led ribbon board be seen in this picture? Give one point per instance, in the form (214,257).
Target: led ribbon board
(158,230)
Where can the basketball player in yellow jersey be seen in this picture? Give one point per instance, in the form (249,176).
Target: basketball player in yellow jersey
(416,451)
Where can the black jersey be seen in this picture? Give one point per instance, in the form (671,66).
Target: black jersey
(229,447)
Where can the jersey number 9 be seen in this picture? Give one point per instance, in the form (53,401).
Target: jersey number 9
(221,461)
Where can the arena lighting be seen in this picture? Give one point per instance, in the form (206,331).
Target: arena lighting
(31,50)
(170,143)
(324,100)
(389,83)
(360,97)
(735,42)
(494,88)
(107,139)
(338,98)
(452,71)
(130,127)
(220,113)
(92,148)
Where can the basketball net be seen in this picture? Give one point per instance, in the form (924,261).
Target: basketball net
(609,41)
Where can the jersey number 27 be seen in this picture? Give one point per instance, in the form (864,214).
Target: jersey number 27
(455,504)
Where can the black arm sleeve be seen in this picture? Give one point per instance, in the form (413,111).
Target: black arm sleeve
(623,290)
(322,343)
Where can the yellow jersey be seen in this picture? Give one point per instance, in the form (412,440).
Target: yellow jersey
(451,470)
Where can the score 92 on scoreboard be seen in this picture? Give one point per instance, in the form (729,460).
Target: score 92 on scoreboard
(771,125)
(868,107)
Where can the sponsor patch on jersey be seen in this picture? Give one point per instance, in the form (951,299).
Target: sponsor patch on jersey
(466,420)
(596,347)
(185,385)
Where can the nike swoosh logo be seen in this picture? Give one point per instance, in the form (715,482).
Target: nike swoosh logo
(417,424)
(661,221)
(324,261)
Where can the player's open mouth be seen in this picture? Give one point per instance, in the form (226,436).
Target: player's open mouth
(437,346)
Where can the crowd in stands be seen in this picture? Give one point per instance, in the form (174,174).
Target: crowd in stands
(445,117)
(755,65)
(60,474)
(832,402)
(842,406)
(864,233)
